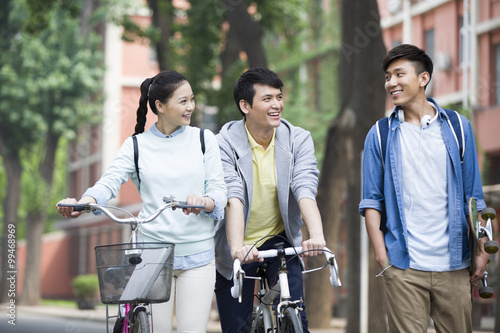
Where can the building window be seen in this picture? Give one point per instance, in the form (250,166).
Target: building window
(429,49)
(460,40)
(429,43)
(491,173)
(496,84)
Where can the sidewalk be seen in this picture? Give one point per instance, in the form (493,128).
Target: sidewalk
(99,315)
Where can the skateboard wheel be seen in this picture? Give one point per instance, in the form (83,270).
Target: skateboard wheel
(491,247)
(488,213)
(486,292)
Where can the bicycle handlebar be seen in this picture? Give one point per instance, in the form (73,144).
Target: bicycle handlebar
(239,274)
(169,203)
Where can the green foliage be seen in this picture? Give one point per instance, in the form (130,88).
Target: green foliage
(309,70)
(284,17)
(223,98)
(201,44)
(50,80)
(85,286)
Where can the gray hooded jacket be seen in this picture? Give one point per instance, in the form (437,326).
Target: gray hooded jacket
(296,177)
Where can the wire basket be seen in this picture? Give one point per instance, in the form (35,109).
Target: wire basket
(139,272)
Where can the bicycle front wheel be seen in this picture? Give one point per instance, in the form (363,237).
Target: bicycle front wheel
(290,322)
(140,324)
(257,322)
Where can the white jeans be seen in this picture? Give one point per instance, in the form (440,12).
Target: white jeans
(192,291)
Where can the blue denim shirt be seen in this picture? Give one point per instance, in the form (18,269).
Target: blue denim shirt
(382,188)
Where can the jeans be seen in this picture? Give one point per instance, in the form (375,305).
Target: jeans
(237,317)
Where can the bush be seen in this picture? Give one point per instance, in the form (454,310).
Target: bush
(85,288)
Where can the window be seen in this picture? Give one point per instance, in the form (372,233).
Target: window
(460,40)
(429,43)
(491,173)
(496,83)
(429,49)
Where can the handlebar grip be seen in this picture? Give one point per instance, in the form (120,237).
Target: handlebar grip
(77,207)
(183,204)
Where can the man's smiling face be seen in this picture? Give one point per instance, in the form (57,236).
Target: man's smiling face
(402,82)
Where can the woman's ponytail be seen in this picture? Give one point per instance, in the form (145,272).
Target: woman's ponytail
(142,110)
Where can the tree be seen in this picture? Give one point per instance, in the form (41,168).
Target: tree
(362,101)
(12,138)
(54,74)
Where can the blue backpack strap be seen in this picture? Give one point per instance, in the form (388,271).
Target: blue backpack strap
(382,132)
(456,123)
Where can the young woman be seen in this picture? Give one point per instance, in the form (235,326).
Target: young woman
(172,161)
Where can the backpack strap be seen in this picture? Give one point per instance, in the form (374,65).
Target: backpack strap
(382,132)
(202,140)
(455,122)
(136,157)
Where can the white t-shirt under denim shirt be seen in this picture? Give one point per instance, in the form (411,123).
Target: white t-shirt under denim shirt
(425,196)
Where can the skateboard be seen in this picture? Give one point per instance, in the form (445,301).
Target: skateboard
(478,232)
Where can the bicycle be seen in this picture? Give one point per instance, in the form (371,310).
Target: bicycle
(136,274)
(277,300)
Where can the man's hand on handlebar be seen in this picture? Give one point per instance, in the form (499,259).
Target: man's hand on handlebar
(313,246)
(68,212)
(246,254)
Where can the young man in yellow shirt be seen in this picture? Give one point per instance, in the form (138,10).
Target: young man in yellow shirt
(272,178)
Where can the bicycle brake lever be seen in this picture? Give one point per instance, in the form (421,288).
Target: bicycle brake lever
(334,272)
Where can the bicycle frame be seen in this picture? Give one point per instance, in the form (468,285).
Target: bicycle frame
(268,295)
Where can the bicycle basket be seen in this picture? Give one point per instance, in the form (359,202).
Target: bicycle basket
(134,273)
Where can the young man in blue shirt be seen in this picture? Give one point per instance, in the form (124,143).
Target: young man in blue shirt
(415,203)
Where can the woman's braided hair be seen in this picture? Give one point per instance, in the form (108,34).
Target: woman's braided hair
(158,88)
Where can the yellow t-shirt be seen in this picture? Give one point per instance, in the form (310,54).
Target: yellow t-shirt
(265,216)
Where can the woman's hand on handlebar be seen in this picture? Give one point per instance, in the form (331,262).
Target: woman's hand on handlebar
(68,212)
(197,200)
(246,254)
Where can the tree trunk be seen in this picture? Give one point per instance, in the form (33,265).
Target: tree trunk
(162,19)
(362,103)
(244,35)
(13,169)
(35,225)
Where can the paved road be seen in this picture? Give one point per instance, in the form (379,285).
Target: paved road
(30,322)
(51,319)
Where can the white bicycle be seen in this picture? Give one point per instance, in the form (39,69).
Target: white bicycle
(276,311)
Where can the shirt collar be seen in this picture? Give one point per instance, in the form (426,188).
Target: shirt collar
(253,144)
(157,132)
